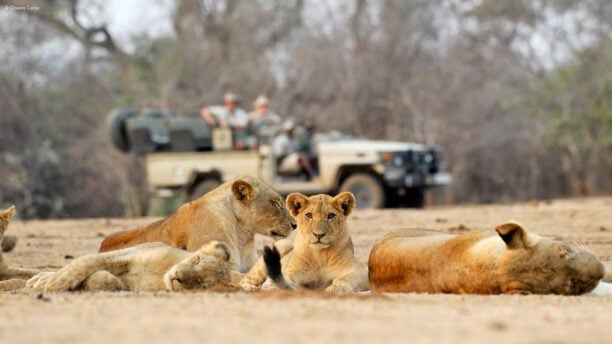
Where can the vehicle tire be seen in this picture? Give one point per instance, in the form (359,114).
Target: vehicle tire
(116,120)
(368,191)
(202,187)
(414,198)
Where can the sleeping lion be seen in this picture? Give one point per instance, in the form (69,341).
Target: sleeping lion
(145,267)
(504,261)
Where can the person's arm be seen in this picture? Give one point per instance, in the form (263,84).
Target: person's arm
(208,117)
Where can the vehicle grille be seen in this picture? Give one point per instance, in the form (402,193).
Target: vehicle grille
(422,161)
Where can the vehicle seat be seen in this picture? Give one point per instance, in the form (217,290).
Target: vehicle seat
(181,140)
(199,131)
(147,134)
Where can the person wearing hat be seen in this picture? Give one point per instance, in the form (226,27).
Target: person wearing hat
(262,121)
(228,115)
(288,157)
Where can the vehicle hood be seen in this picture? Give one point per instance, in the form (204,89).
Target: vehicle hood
(373,145)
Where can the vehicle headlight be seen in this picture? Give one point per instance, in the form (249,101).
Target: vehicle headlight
(398,161)
(394,159)
(387,157)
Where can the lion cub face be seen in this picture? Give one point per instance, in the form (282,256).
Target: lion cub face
(206,267)
(544,265)
(321,219)
(261,207)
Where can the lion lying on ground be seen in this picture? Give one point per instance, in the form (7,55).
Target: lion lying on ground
(507,260)
(320,256)
(145,267)
(231,214)
(11,278)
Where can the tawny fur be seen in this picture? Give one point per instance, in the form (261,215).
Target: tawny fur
(10,277)
(231,214)
(506,260)
(145,267)
(325,263)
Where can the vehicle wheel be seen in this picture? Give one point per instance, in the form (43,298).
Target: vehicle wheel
(415,198)
(369,193)
(116,119)
(202,188)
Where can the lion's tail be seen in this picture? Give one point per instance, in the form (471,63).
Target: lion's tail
(122,239)
(274,271)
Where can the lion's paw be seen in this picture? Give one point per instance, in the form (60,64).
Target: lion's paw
(103,280)
(61,281)
(339,289)
(38,281)
(248,286)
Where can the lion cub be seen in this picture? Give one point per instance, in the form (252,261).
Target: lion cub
(507,260)
(320,256)
(145,267)
(11,278)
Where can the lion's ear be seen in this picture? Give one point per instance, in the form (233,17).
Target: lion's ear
(7,214)
(223,251)
(345,201)
(243,191)
(513,234)
(296,202)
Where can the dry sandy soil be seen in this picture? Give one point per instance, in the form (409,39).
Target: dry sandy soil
(27,317)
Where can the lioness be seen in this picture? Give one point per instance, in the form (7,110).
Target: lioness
(320,256)
(231,214)
(144,267)
(507,260)
(11,278)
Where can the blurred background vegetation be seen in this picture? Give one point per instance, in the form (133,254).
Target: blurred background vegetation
(517,94)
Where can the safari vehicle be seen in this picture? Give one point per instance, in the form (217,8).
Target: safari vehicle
(185,157)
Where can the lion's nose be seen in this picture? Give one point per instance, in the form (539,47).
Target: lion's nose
(319,236)
(293,226)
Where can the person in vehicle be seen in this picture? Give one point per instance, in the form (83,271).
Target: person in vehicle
(286,151)
(229,116)
(263,122)
(307,145)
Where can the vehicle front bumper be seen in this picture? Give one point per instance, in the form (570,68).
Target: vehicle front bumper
(398,178)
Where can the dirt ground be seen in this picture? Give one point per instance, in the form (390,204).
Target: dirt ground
(237,317)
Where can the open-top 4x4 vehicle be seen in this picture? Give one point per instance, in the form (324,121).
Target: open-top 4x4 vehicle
(185,157)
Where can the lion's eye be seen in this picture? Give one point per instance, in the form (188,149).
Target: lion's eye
(196,261)
(309,216)
(331,216)
(568,252)
(276,204)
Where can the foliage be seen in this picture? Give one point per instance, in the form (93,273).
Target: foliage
(458,74)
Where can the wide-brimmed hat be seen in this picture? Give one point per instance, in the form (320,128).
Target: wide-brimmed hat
(261,101)
(231,97)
